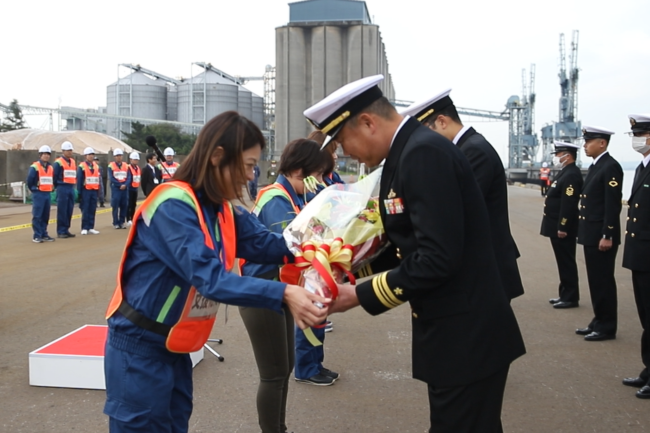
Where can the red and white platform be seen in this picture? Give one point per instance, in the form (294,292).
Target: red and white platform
(76,360)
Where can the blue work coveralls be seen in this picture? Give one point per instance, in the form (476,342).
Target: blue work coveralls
(149,388)
(87,198)
(64,199)
(332,179)
(119,198)
(40,202)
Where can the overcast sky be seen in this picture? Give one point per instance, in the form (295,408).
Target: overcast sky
(66,52)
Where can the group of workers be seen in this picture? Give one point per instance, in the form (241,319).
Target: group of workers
(84,183)
(588,212)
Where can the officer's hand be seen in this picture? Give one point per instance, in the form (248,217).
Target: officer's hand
(346,300)
(301,304)
(123,187)
(561,235)
(605,244)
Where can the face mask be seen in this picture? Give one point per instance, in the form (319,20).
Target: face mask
(558,161)
(639,144)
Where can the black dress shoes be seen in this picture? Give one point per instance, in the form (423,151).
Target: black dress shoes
(583,331)
(554,300)
(599,336)
(644,392)
(636,382)
(563,304)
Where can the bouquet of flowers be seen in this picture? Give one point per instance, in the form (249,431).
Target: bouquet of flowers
(337,233)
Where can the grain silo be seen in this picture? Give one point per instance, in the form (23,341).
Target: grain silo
(258,111)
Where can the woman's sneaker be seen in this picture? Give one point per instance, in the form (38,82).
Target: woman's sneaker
(329,373)
(37,240)
(318,380)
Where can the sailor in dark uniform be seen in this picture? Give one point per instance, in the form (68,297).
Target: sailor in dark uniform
(440,115)
(636,255)
(560,222)
(465,334)
(599,231)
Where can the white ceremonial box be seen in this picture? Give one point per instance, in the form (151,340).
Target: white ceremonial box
(76,360)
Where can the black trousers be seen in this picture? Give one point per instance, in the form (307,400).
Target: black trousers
(474,408)
(565,257)
(132,200)
(641,283)
(602,288)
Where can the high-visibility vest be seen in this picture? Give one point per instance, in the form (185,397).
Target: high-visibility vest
(119,172)
(169,170)
(45,176)
(193,328)
(289,273)
(544,172)
(135,175)
(69,170)
(91,181)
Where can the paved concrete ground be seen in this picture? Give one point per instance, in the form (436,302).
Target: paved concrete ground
(563,384)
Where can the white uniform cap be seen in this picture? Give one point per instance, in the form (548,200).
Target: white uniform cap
(640,122)
(168,151)
(544,165)
(134,155)
(330,114)
(562,146)
(44,149)
(591,132)
(67,146)
(118,152)
(89,151)
(421,110)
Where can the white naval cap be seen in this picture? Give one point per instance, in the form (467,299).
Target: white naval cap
(563,146)
(44,149)
(67,146)
(421,110)
(640,122)
(330,114)
(168,151)
(591,132)
(117,152)
(134,155)
(89,151)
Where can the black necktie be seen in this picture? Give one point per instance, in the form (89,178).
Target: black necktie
(638,171)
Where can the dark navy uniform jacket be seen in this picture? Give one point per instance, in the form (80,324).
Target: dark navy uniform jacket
(636,256)
(561,204)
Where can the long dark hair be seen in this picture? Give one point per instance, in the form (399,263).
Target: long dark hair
(235,134)
(304,155)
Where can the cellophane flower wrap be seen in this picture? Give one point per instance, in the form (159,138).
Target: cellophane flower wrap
(337,233)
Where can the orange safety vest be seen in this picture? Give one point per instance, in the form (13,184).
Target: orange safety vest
(193,328)
(91,180)
(69,170)
(543,174)
(170,170)
(135,175)
(45,177)
(119,172)
(289,273)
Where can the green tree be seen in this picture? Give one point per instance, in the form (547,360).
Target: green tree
(14,119)
(166,136)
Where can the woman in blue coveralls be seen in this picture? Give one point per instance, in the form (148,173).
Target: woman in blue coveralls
(329,177)
(175,265)
(272,334)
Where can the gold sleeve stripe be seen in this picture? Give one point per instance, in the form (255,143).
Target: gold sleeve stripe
(379,293)
(391,296)
(361,272)
(368,270)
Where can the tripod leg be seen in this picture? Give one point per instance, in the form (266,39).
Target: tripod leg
(214,352)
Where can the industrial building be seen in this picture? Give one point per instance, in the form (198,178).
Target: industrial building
(325,45)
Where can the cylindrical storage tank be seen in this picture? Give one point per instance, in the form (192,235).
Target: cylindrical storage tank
(245,103)
(222,96)
(258,112)
(172,103)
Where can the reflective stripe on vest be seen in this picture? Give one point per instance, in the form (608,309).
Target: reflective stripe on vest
(135,175)
(69,170)
(45,177)
(91,181)
(119,173)
(265,195)
(169,170)
(544,172)
(194,326)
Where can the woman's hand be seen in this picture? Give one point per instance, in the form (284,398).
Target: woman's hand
(301,304)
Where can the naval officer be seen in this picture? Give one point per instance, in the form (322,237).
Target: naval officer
(465,334)
(637,245)
(439,114)
(599,231)
(560,222)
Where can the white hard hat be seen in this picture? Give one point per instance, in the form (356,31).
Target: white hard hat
(44,149)
(67,146)
(89,151)
(169,151)
(544,165)
(117,152)
(134,155)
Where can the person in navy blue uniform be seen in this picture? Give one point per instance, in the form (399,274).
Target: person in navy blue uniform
(64,183)
(119,193)
(637,246)
(465,334)
(40,196)
(148,387)
(560,222)
(599,231)
(252,185)
(439,114)
(88,189)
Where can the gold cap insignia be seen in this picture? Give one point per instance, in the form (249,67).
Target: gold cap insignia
(632,122)
(584,131)
(391,194)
